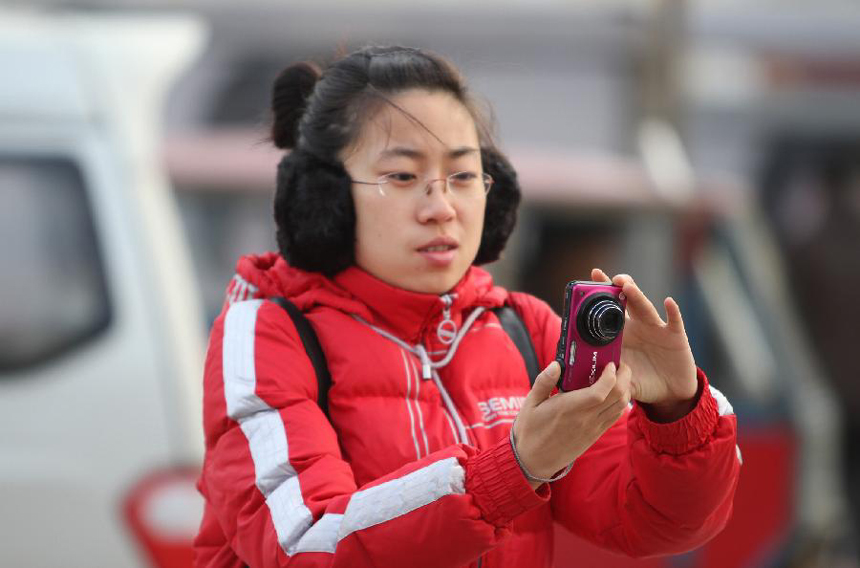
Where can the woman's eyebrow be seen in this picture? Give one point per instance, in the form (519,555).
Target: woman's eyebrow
(402,151)
(419,155)
(462,151)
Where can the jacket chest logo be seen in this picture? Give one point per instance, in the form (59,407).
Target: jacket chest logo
(500,407)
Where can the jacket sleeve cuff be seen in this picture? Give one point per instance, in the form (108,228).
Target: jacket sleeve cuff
(500,490)
(687,433)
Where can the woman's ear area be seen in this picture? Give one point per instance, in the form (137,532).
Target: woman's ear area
(493,161)
(315,213)
(503,200)
(506,187)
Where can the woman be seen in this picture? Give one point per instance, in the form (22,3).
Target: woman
(392,195)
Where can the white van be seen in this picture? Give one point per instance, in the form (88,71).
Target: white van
(101,330)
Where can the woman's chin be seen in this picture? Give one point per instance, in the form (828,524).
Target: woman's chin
(430,281)
(421,276)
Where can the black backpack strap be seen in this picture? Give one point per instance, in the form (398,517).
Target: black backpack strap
(516,330)
(312,347)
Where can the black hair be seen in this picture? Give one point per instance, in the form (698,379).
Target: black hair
(319,113)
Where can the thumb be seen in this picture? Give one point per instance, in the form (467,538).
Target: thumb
(605,382)
(544,385)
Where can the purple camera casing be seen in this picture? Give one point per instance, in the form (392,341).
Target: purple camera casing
(582,361)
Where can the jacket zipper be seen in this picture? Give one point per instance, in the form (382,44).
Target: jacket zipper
(446,331)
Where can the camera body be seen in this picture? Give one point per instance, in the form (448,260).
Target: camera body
(591,330)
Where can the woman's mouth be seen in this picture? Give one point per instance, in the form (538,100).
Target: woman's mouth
(439,253)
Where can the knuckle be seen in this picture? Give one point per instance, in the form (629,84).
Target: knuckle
(606,392)
(595,397)
(608,387)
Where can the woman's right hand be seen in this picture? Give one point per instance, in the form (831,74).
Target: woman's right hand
(552,431)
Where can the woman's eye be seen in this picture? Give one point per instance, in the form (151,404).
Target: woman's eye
(463,178)
(401,178)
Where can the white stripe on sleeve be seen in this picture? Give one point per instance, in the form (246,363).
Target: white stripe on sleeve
(399,496)
(276,478)
(268,441)
(385,502)
(724,407)
(262,425)
(322,537)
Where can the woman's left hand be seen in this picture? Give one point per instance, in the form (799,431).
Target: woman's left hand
(657,352)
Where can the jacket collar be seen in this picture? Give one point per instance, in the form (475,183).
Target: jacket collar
(408,314)
(353,291)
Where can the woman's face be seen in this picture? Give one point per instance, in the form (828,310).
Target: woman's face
(417,240)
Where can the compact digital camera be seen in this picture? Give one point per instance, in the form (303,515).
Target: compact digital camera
(591,329)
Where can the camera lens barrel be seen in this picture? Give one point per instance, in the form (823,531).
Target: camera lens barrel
(600,319)
(605,320)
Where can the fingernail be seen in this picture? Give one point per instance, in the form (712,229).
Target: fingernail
(554,369)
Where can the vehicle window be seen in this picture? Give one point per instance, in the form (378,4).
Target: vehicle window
(53,293)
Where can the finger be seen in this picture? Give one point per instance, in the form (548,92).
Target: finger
(602,386)
(610,417)
(621,390)
(622,279)
(615,398)
(638,304)
(673,314)
(544,385)
(598,275)
(633,382)
(625,378)
(613,411)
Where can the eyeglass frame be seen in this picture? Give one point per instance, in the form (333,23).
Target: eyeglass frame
(383,179)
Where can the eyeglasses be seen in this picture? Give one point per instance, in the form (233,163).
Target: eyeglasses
(461,184)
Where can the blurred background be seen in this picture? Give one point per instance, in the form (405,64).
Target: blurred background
(710,148)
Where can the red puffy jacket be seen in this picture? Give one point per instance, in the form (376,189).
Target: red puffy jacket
(414,467)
